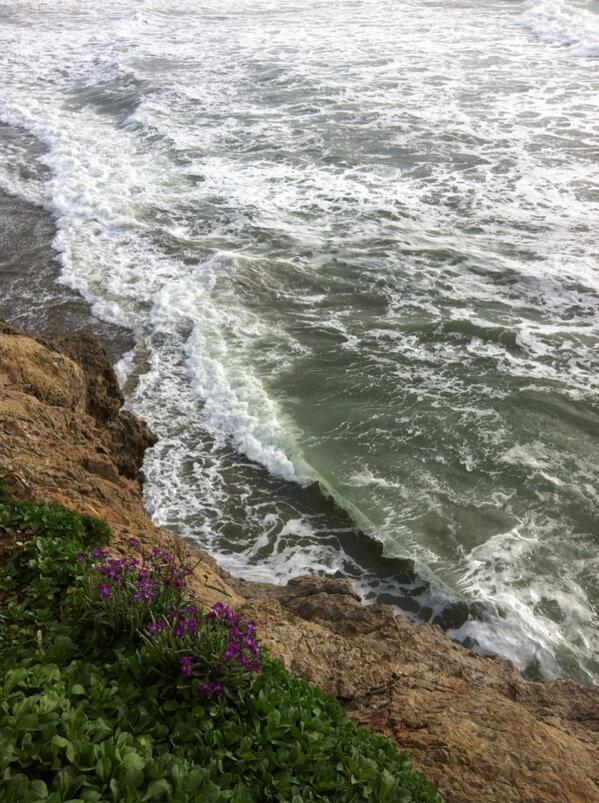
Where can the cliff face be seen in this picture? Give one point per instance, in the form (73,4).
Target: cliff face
(470,723)
(64,439)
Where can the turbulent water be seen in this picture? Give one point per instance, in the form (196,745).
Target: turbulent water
(357,246)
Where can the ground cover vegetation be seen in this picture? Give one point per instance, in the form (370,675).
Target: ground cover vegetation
(116,686)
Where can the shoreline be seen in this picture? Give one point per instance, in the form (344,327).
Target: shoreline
(471,723)
(49,308)
(33,296)
(52,308)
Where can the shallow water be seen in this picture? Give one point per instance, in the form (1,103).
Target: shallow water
(356,246)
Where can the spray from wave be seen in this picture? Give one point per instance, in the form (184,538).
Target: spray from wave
(557,22)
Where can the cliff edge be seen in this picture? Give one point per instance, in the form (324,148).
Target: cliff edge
(471,723)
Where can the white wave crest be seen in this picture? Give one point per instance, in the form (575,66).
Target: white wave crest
(235,399)
(558,23)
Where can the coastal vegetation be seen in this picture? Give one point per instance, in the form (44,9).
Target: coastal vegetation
(116,686)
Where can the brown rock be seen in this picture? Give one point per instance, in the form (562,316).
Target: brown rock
(103,397)
(53,378)
(129,437)
(453,712)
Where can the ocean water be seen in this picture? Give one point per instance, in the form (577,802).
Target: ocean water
(356,248)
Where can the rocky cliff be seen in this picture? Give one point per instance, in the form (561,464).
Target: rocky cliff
(471,723)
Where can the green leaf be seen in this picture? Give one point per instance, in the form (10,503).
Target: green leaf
(39,789)
(159,790)
(210,793)
(71,753)
(133,761)
(104,768)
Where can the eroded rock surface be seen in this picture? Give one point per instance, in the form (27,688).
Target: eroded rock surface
(472,724)
(63,438)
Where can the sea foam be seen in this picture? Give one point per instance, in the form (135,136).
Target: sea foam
(558,22)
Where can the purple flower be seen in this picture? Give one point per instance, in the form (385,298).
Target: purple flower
(99,554)
(133,543)
(104,590)
(210,688)
(220,612)
(80,557)
(186,667)
(155,627)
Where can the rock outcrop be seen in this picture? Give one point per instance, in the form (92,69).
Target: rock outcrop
(471,723)
(63,438)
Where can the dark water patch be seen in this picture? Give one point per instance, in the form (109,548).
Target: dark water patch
(30,295)
(119,97)
(381,577)
(578,415)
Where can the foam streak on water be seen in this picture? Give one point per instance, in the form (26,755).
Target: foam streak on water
(356,244)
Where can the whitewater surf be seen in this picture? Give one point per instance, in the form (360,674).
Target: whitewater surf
(355,248)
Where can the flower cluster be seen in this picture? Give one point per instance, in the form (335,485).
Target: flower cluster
(219,645)
(142,580)
(184,620)
(133,590)
(242,646)
(210,651)
(186,666)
